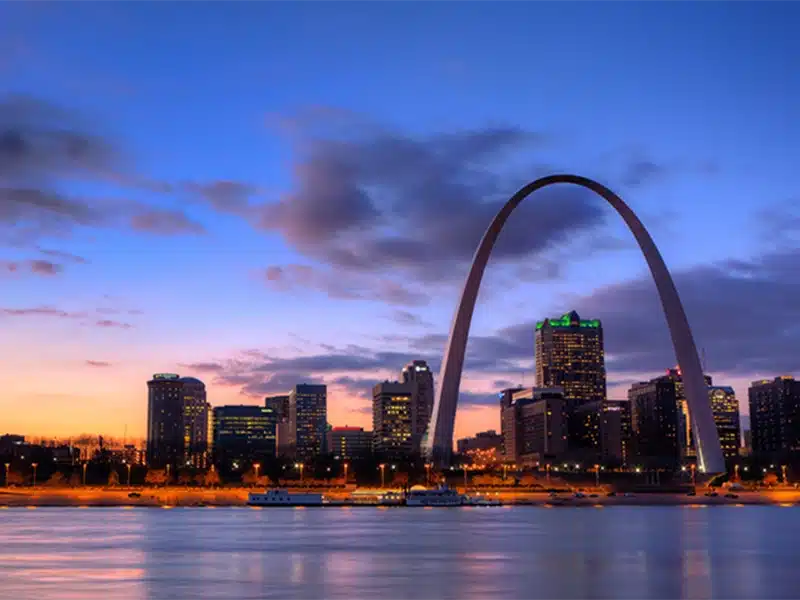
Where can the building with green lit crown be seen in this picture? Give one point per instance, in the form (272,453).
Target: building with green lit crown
(570,355)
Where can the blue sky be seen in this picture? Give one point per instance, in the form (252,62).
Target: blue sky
(688,110)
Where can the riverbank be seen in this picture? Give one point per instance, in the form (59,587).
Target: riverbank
(176,497)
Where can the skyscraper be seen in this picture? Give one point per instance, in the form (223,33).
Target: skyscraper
(391,419)
(279,405)
(164,419)
(725,407)
(570,355)
(308,420)
(419,376)
(178,422)
(196,422)
(654,422)
(775,418)
(533,424)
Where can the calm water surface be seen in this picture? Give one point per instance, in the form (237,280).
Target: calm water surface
(237,553)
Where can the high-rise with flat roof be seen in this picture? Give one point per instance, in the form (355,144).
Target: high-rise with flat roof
(775,418)
(418,374)
(243,433)
(725,407)
(178,421)
(308,420)
(350,443)
(654,422)
(391,419)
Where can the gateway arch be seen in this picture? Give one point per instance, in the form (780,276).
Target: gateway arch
(439,439)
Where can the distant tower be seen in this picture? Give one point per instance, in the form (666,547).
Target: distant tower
(419,376)
(308,421)
(391,419)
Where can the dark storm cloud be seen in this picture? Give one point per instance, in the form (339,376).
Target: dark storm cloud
(165,222)
(381,203)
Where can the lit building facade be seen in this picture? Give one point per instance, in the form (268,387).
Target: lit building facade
(279,405)
(197,422)
(392,419)
(418,375)
(654,422)
(534,424)
(308,421)
(350,443)
(775,418)
(725,407)
(570,355)
(164,419)
(243,433)
(483,440)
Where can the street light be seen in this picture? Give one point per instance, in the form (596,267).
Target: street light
(597,476)
(34,465)
(428,474)
(84,474)
(465,478)
(382,467)
(345,472)
(167,483)
(736,472)
(693,467)
(783,473)
(300,466)
(7,467)
(129,473)
(547,473)
(256,467)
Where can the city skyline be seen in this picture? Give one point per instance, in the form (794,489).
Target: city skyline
(211,241)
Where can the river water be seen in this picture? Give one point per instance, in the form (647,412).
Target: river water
(382,554)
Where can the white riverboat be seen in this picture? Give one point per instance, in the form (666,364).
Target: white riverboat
(278,497)
(441,496)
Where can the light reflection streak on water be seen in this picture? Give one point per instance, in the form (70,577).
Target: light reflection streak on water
(624,552)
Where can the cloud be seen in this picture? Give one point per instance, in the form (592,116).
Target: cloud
(60,254)
(110,323)
(346,286)
(42,311)
(224,195)
(203,367)
(360,387)
(35,266)
(375,203)
(165,222)
(98,363)
(745,314)
(408,319)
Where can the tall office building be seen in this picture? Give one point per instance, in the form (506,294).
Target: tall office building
(391,419)
(775,418)
(534,424)
(308,420)
(570,355)
(725,407)
(350,443)
(279,405)
(685,435)
(178,421)
(419,376)
(243,433)
(654,422)
(164,419)
(196,422)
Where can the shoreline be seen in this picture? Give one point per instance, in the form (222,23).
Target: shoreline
(237,498)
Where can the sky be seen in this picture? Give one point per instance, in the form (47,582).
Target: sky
(264,194)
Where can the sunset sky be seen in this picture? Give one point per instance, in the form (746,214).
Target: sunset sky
(263,194)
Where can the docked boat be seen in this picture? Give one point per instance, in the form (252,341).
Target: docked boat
(280,497)
(479,500)
(441,496)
